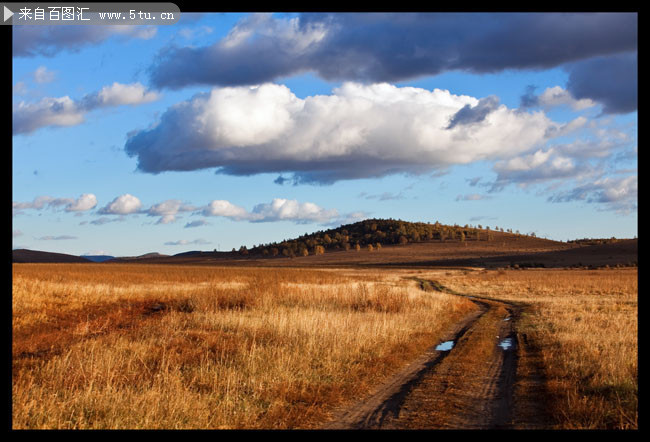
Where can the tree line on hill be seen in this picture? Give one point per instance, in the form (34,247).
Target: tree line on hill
(595,241)
(370,235)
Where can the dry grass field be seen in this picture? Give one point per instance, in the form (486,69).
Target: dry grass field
(180,346)
(585,323)
(146,346)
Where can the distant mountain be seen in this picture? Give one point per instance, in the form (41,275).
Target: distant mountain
(98,258)
(37,256)
(191,252)
(146,256)
(149,255)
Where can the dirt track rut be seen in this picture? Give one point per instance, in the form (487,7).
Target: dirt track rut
(470,386)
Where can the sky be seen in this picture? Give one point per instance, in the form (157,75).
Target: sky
(230,129)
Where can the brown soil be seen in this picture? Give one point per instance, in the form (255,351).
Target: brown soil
(505,250)
(478,384)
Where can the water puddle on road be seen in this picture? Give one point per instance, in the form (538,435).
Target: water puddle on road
(506,344)
(445,346)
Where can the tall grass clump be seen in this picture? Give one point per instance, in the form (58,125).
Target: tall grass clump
(146,346)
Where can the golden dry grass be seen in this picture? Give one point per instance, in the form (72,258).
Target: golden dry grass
(139,346)
(586,324)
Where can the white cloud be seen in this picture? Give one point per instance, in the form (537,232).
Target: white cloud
(619,194)
(539,166)
(119,94)
(122,205)
(64,111)
(279,209)
(359,131)
(42,75)
(557,96)
(290,34)
(167,210)
(226,209)
(41,202)
(85,202)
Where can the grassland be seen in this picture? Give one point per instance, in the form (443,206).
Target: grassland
(180,346)
(585,324)
(145,346)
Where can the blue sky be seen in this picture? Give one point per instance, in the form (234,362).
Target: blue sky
(238,129)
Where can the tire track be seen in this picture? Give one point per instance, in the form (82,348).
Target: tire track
(470,386)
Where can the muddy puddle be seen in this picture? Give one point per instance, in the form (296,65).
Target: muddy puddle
(445,346)
(506,343)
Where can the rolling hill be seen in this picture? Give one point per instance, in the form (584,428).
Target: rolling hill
(37,256)
(396,243)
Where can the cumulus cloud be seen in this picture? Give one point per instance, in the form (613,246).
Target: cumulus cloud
(359,131)
(85,202)
(616,193)
(119,94)
(588,148)
(122,205)
(555,96)
(64,111)
(539,166)
(279,209)
(227,210)
(168,210)
(30,41)
(41,202)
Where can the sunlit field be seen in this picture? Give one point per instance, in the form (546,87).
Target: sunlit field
(585,323)
(145,346)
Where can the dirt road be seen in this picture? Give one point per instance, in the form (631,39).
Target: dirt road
(482,375)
